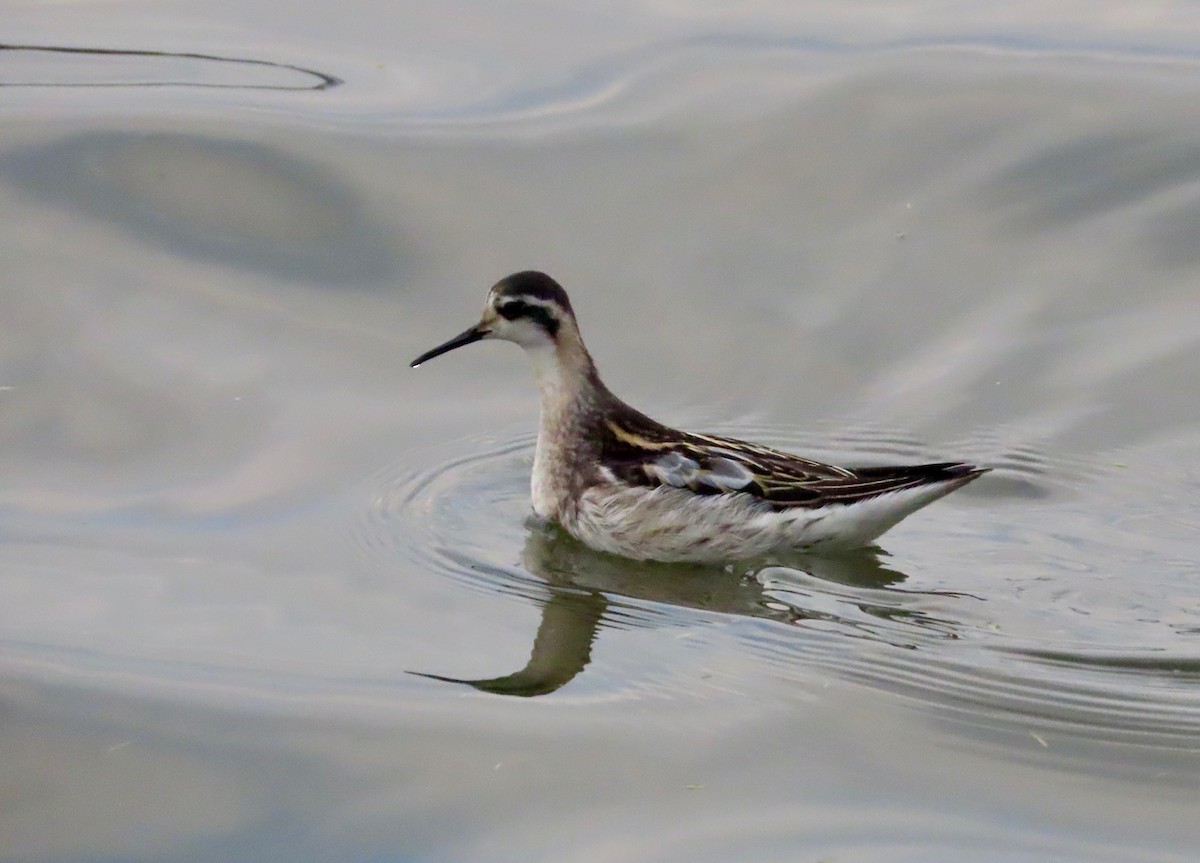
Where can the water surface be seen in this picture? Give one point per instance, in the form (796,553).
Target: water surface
(269,594)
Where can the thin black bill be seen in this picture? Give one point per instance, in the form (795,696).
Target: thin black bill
(465,338)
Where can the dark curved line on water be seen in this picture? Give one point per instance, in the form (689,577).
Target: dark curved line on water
(326,80)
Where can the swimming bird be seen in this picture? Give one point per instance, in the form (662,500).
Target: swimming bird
(621,482)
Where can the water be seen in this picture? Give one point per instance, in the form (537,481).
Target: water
(269,594)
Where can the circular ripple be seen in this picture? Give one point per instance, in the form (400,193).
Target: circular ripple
(996,621)
(457,509)
(462,509)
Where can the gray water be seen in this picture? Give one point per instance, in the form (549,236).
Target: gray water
(268,594)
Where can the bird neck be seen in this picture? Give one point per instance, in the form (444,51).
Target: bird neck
(566,377)
(572,397)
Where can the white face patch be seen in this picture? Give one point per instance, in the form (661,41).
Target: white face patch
(528,321)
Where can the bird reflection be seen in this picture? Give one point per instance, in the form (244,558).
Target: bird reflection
(585,587)
(561,649)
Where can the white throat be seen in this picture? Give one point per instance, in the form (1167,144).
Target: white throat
(563,383)
(553,381)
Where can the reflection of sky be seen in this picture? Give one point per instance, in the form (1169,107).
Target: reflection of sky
(172,379)
(458,60)
(811,214)
(235,202)
(808,763)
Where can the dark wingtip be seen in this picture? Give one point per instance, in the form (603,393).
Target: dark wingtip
(943,471)
(964,470)
(960,473)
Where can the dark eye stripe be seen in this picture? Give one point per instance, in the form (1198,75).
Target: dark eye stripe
(539,315)
(515,309)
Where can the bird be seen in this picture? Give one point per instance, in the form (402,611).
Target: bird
(623,483)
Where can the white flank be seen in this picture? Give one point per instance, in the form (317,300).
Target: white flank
(673,524)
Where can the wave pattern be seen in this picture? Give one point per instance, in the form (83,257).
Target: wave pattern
(959,628)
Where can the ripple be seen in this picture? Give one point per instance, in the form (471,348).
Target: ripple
(243,203)
(456,509)
(959,630)
(77,66)
(462,509)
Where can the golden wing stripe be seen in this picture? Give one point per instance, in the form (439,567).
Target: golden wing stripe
(633,439)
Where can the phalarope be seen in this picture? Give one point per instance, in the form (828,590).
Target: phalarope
(621,482)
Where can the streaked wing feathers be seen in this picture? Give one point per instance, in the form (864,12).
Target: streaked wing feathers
(713,465)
